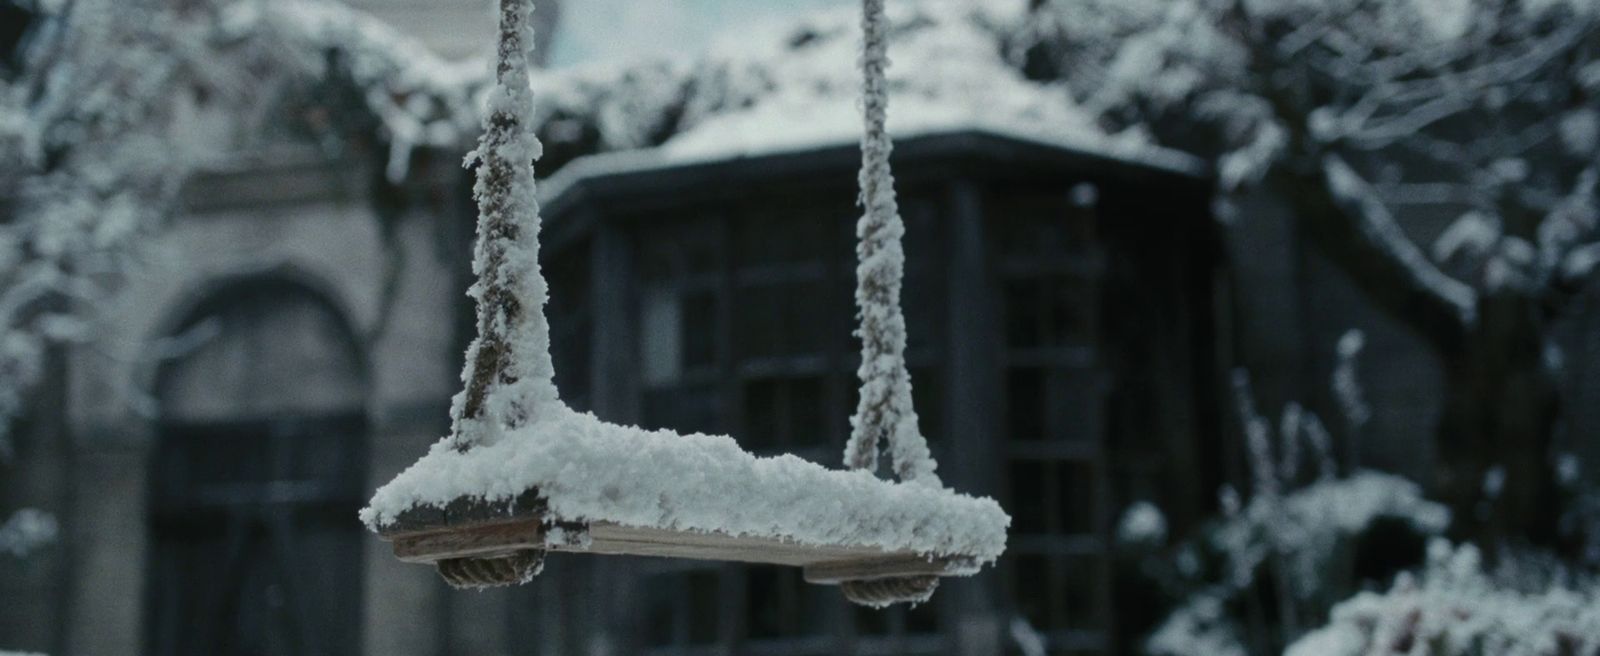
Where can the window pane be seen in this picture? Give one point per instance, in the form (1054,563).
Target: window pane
(685,409)
(700,329)
(703,608)
(1030,578)
(660,336)
(675,249)
(1023,313)
(660,594)
(923,618)
(807,414)
(771,236)
(1075,405)
(1068,311)
(871,621)
(1081,584)
(1043,226)
(780,319)
(1025,404)
(763,415)
(1075,485)
(1027,502)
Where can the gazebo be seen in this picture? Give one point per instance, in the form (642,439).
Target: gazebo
(1062,297)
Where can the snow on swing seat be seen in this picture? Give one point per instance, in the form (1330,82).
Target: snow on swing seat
(570,482)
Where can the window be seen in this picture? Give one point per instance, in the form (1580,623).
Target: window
(681,608)
(784,414)
(745,327)
(571,323)
(780,604)
(678,308)
(1057,568)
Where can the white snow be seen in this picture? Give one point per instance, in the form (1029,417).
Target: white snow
(27,531)
(1580,131)
(947,75)
(1142,523)
(1307,524)
(1357,198)
(1454,608)
(1346,382)
(1200,626)
(1028,639)
(594,471)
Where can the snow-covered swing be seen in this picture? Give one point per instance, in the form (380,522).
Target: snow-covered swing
(522,474)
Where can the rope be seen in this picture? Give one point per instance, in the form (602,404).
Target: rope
(879,593)
(884,413)
(508,373)
(478,573)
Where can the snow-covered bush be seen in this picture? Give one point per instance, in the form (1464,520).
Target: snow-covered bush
(1252,580)
(1454,608)
(1287,560)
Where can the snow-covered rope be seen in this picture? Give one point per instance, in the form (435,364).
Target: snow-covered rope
(508,374)
(885,411)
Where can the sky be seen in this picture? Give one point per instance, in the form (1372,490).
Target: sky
(609,30)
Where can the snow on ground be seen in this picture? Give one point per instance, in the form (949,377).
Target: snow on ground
(1454,608)
(595,471)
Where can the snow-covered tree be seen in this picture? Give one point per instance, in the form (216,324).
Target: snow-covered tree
(1361,114)
(109,107)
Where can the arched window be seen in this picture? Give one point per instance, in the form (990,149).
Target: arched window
(256,480)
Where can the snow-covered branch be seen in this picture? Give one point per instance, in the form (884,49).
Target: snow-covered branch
(1371,228)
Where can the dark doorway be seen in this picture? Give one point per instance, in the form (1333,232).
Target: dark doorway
(257,479)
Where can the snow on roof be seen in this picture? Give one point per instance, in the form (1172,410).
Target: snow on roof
(651,159)
(773,88)
(948,70)
(593,471)
(797,90)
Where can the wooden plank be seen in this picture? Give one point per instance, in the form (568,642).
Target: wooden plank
(468,529)
(838,571)
(608,538)
(484,540)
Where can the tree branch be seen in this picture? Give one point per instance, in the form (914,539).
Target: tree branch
(1352,226)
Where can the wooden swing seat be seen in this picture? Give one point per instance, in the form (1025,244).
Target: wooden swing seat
(474,529)
(629,491)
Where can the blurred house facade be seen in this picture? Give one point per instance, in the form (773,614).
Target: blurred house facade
(294,340)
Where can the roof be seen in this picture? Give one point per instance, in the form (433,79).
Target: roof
(618,176)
